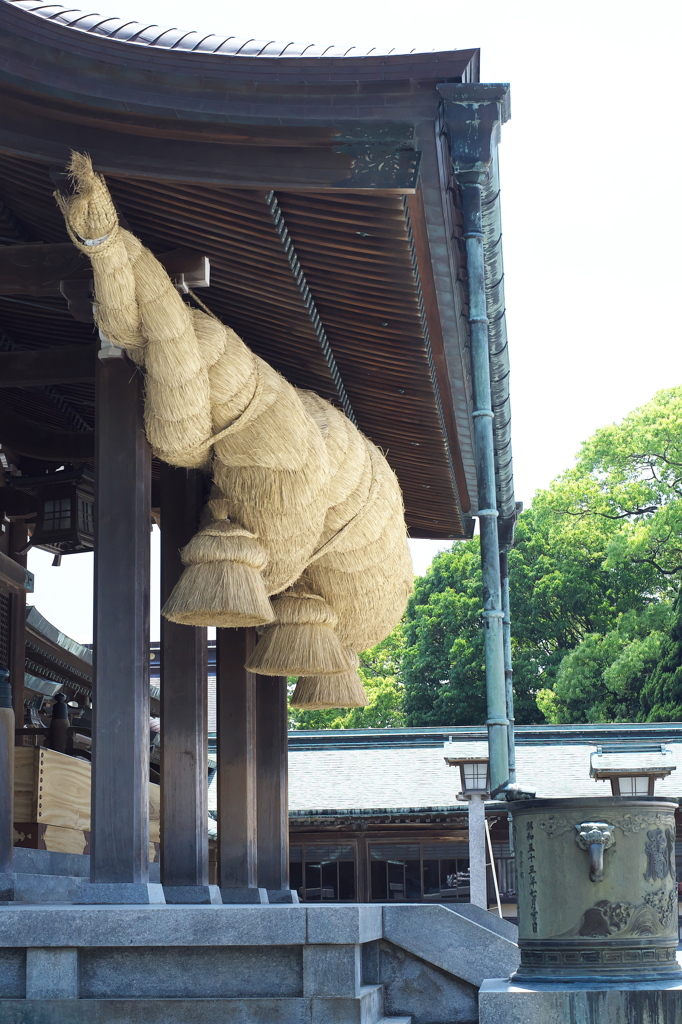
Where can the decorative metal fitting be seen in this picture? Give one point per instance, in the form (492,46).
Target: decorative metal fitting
(108,350)
(595,837)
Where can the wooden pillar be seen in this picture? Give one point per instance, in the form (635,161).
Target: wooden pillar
(18,539)
(6,787)
(362,871)
(236,729)
(120,761)
(272,784)
(184,708)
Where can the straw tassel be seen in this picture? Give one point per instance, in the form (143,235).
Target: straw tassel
(302,641)
(344,690)
(223,583)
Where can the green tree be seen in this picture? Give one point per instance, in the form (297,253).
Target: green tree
(562,591)
(565,588)
(595,556)
(603,678)
(624,495)
(662,694)
(630,473)
(596,563)
(443,665)
(379,671)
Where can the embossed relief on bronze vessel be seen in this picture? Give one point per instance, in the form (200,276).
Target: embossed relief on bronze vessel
(597,887)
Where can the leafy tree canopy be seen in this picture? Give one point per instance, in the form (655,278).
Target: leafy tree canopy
(379,670)
(596,560)
(662,693)
(596,563)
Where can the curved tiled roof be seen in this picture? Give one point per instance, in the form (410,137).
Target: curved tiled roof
(170,38)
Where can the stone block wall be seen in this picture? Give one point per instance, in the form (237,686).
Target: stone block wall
(279,964)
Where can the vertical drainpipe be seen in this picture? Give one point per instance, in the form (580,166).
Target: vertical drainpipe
(471,184)
(472,114)
(508,671)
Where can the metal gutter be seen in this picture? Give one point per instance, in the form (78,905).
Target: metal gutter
(497,338)
(471,183)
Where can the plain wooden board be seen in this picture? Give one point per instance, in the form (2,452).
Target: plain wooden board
(54,789)
(25,762)
(154,813)
(31,835)
(63,790)
(64,840)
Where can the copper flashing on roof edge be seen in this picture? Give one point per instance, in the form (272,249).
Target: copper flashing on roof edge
(168,38)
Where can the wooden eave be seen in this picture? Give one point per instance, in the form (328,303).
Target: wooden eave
(194,145)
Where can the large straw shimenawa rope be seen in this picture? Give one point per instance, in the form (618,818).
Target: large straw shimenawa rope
(304,509)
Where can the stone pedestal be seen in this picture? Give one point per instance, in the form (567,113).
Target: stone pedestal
(245,894)
(505,1002)
(113,893)
(195,895)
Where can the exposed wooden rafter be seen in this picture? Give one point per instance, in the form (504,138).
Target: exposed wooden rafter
(41,367)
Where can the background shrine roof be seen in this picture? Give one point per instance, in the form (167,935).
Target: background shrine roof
(174,38)
(404,769)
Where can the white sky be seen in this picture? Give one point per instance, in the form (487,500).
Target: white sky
(590,203)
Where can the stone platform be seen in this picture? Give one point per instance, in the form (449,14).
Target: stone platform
(505,1002)
(250,964)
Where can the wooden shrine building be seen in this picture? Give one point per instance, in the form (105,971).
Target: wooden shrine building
(313,198)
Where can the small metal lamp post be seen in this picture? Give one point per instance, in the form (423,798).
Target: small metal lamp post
(475,776)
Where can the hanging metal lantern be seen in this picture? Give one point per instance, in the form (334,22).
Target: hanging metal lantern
(64,507)
(66,514)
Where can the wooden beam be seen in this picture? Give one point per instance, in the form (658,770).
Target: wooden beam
(25,437)
(236,729)
(383,167)
(39,269)
(120,764)
(44,269)
(272,783)
(184,706)
(39,367)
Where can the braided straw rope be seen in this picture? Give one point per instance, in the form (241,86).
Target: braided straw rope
(303,505)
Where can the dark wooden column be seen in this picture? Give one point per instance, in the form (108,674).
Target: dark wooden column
(184,708)
(272,785)
(18,539)
(6,786)
(120,762)
(236,727)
